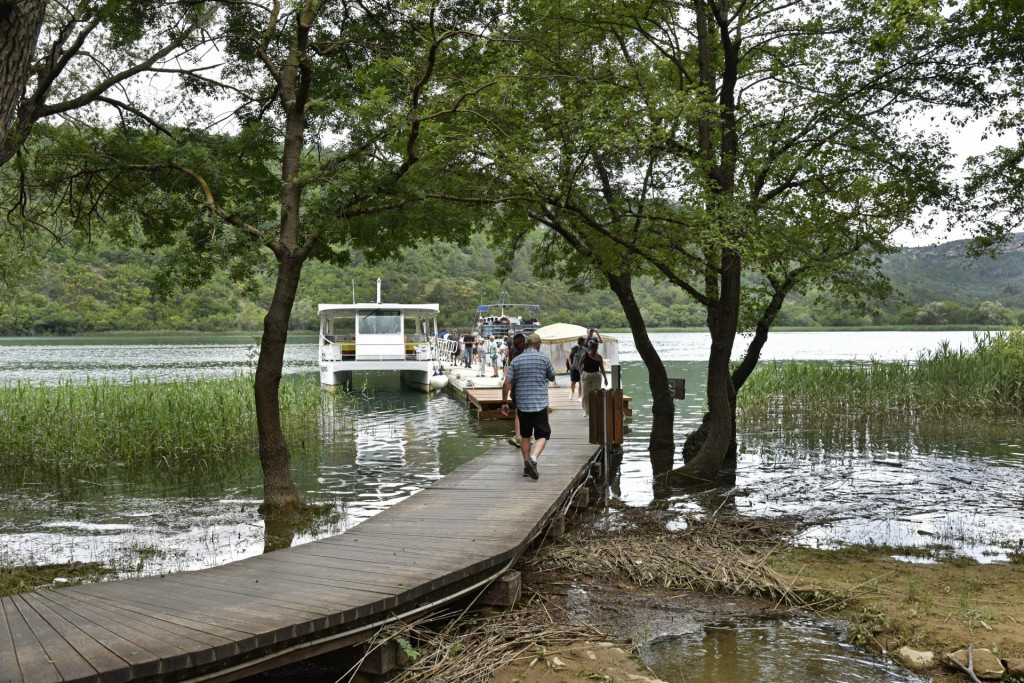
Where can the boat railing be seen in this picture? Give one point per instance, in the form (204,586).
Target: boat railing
(448,350)
(344,349)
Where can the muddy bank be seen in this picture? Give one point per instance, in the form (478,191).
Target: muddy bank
(937,607)
(638,586)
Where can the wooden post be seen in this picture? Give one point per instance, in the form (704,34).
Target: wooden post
(504,591)
(381,659)
(556,526)
(596,410)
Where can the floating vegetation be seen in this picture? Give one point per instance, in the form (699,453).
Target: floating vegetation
(92,432)
(985,381)
(718,554)
(15,580)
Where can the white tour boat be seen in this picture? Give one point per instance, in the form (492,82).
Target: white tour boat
(378,336)
(505,318)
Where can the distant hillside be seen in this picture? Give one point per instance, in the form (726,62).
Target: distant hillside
(944,273)
(108,288)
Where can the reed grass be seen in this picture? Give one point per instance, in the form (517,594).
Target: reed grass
(985,381)
(100,431)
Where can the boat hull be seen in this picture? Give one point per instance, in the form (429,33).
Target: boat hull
(417,375)
(423,381)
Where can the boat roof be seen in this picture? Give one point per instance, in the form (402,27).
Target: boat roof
(327,309)
(486,307)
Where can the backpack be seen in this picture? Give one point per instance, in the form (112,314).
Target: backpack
(494,349)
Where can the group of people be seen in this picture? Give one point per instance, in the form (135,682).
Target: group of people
(526,382)
(527,375)
(475,349)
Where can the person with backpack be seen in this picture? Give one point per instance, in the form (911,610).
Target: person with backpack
(574,360)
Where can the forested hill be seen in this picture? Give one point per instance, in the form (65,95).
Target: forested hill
(107,289)
(942,273)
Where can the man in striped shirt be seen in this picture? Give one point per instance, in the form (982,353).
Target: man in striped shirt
(529,374)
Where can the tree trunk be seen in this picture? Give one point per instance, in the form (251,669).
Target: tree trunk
(19,30)
(280,497)
(696,438)
(723,321)
(662,443)
(717,434)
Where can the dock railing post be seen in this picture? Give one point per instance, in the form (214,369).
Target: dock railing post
(616,383)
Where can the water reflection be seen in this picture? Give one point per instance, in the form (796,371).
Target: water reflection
(381,445)
(889,482)
(767,649)
(865,480)
(50,360)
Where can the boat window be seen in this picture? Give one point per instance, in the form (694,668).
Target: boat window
(342,326)
(380,322)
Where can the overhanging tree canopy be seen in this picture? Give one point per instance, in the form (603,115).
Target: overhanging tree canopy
(701,140)
(316,134)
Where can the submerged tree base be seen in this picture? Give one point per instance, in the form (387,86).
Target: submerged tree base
(283,524)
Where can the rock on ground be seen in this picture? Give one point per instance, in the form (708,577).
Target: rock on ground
(1014,667)
(986,665)
(916,659)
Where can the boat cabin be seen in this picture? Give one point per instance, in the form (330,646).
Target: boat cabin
(376,331)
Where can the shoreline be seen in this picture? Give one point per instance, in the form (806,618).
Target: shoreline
(884,603)
(256,334)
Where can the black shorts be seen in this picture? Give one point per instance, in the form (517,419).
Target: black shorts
(574,375)
(534,425)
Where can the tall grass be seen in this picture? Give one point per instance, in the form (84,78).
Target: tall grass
(59,435)
(988,380)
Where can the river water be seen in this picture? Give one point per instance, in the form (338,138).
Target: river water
(894,486)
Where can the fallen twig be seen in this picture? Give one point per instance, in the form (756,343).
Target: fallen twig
(969,669)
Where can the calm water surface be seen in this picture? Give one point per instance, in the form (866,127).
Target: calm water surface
(874,482)
(888,484)
(881,481)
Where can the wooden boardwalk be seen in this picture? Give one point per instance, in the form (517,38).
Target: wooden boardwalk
(231,621)
(487,401)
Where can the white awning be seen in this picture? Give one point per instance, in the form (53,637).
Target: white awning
(564,332)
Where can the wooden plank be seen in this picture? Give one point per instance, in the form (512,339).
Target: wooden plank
(336,593)
(242,640)
(33,661)
(326,607)
(138,632)
(441,573)
(210,647)
(202,600)
(70,665)
(110,666)
(372,564)
(266,634)
(141,662)
(10,672)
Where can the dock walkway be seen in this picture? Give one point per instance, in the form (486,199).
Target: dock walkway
(231,621)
